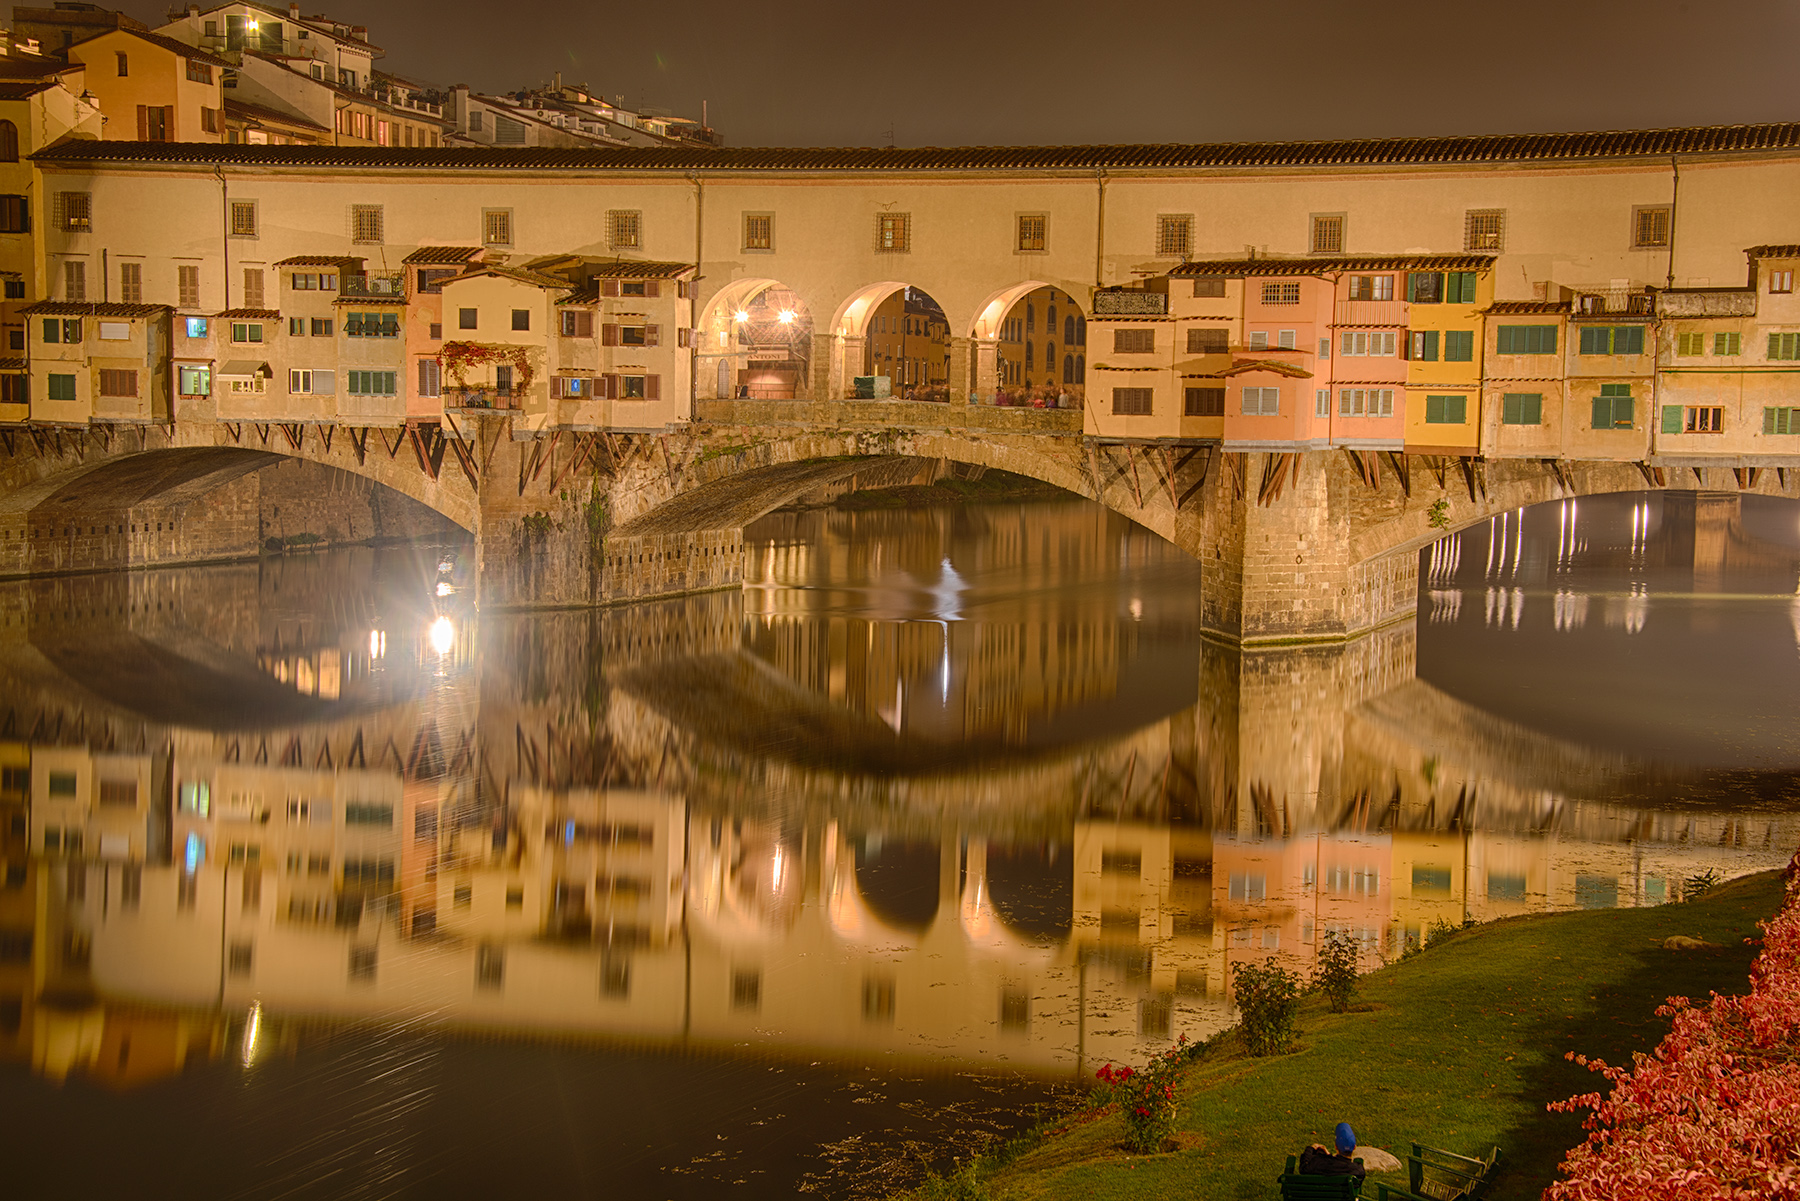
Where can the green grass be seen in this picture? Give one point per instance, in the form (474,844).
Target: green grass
(1459,1047)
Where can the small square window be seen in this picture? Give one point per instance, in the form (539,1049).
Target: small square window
(893,233)
(196,327)
(243,218)
(1484,229)
(1327,233)
(496,227)
(1781,281)
(626,227)
(759,231)
(366,223)
(1649,227)
(1033,229)
(465,318)
(521,318)
(1174,235)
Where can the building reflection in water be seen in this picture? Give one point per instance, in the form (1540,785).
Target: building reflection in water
(625,824)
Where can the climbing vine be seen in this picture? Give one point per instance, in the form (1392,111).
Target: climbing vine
(459,357)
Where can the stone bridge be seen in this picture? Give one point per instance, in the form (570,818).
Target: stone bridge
(1296,546)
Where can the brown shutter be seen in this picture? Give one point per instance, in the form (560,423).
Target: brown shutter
(611,387)
(684,336)
(584,323)
(652,288)
(169,123)
(653,387)
(653,335)
(143,123)
(684,290)
(609,334)
(609,287)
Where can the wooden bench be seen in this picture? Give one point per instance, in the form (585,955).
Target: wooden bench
(1296,1187)
(1433,1174)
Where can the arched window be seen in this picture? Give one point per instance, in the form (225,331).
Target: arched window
(9,142)
(1069,329)
(1068,369)
(1050,318)
(1030,319)
(1050,360)
(1030,355)
(1081,369)
(1080,330)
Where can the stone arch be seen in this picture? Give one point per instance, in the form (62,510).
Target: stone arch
(1049,351)
(899,330)
(752,322)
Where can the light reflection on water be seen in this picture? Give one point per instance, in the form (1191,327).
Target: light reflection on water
(796,886)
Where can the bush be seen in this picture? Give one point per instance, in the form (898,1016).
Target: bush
(962,1184)
(1335,973)
(1268,997)
(1146,1099)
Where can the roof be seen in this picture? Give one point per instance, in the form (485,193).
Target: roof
(262,112)
(24,89)
(193,53)
(1365,152)
(78,308)
(1242,366)
(442,254)
(243,369)
(1788,251)
(536,279)
(1518,308)
(13,364)
(250,314)
(318,260)
(1320,266)
(638,269)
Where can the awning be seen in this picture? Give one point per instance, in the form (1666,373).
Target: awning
(243,369)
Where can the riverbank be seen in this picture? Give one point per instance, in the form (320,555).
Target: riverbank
(1459,1047)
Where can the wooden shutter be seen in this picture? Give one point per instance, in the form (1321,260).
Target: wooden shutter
(609,287)
(1671,419)
(653,387)
(609,384)
(1602,413)
(168,123)
(143,114)
(684,290)
(684,337)
(652,288)
(653,335)
(584,323)
(609,334)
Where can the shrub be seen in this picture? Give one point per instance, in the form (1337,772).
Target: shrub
(1146,1099)
(1268,997)
(962,1184)
(1438,515)
(1335,973)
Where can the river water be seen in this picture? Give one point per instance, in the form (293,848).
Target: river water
(319,886)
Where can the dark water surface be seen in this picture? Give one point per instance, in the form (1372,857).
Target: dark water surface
(319,886)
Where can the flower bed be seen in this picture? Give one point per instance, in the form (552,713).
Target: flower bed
(1714,1112)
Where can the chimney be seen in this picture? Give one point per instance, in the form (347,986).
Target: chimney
(293,12)
(193,12)
(556,83)
(459,106)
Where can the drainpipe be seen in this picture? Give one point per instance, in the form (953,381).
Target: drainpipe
(1674,200)
(1100,227)
(694,293)
(224,229)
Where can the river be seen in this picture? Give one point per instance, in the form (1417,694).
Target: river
(320,885)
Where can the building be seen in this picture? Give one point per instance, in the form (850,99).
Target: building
(153,88)
(909,343)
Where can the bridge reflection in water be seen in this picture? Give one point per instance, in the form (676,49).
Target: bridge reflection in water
(910,795)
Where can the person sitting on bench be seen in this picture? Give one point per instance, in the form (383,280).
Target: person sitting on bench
(1317,1161)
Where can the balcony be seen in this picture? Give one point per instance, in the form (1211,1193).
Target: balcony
(1130,303)
(386,287)
(1706,302)
(1615,302)
(481,397)
(1371,312)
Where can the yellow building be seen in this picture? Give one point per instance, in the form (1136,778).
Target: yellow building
(153,88)
(909,342)
(1444,348)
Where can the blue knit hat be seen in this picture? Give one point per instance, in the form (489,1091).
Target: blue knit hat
(1346,1138)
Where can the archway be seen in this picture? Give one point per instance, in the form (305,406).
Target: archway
(897,341)
(1039,337)
(756,342)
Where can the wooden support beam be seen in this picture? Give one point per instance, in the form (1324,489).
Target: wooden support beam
(1402,470)
(295,433)
(262,431)
(325,432)
(1205,470)
(393,448)
(361,444)
(235,429)
(1235,468)
(1168,458)
(1276,468)
(1131,462)
(1468,470)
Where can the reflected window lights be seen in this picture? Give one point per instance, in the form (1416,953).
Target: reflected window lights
(252,1041)
(377,644)
(196,798)
(193,853)
(442,635)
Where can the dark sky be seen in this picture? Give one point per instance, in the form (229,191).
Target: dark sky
(846,72)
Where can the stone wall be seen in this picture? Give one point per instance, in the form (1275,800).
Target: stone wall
(309,503)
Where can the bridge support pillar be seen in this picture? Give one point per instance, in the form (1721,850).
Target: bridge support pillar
(827,382)
(987,368)
(961,350)
(1275,546)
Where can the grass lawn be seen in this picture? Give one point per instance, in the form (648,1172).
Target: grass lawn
(1459,1047)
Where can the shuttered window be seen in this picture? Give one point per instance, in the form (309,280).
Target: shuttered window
(1209,288)
(577,323)
(15,214)
(1327,233)
(74,279)
(1211,340)
(431,379)
(1522,408)
(188,286)
(115,382)
(1526,339)
(496,227)
(1204,402)
(1134,341)
(1728,344)
(1690,344)
(59,386)
(1612,339)
(372,383)
(1459,346)
(1132,402)
(131,283)
(366,223)
(1446,410)
(1650,227)
(1032,227)
(1422,345)
(1784,346)
(1366,402)
(625,227)
(1781,421)
(253,287)
(1613,408)
(1262,402)
(1370,343)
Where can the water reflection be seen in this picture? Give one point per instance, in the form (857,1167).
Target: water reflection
(944,790)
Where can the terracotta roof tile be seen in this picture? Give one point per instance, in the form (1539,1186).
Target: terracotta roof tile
(318,260)
(1787,251)
(76,308)
(250,314)
(638,269)
(1321,266)
(262,112)
(1275,366)
(1509,308)
(1430,151)
(167,43)
(443,254)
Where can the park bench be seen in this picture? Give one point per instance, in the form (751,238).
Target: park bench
(1296,1187)
(1433,1174)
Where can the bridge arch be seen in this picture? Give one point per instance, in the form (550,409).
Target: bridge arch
(756,341)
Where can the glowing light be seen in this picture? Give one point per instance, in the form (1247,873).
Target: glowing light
(741,315)
(785,316)
(444,588)
(377,643)
(252,1032)
(442,635)
(192,855)
(1137,609)
(780,868)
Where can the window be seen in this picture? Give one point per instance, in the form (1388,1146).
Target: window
(253,287)
(321,327)
(1612,408)
(521,319)
(243,218)
(465,318)
(1445,410)
(296,327)
(1262,402)
(1322,402)
(246,331)
(1211,340)
(194,381)
(1526,339)
(124,63)
(1209,288)
(577,323)
(1425,287)
(431,378)
(74,279)
(1032,228)
(1132,402)
(1204,402)
(209,119)
(569,387)
(1522,408)
(188,287)
(115,382)
(1422,345)
(1612,339)
(1459,345)
(312,382)
(156,122)
(15,212)
(199,73)
(61,387)
(496,227)
(9,142)
(1259,339)
(1281,293)
(626,228)
(1690,344)
(1371,287)
(640,335)
(1649,227)
(759,231)
(372,325)
(1484,229)
(366,225)
(1174,235)
(431,279)
(1781,281)
(372,383)
(1781,421)
(1693,419)
(67,329)
(115,331)
(1366,402)
(1285,339)
(1327,233)
(1374,343)
(893,233)
(1134,341)
(196,327)
(1728,344)
(131,283)
(1784,346)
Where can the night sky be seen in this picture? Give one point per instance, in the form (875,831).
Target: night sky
(925,72)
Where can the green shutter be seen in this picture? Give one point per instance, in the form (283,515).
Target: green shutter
(1602,412)
(1533,408)
(1595,339)
(1459,287)
(1628,339)
(1671,419)
(1427,349)
(1456,408)
(1434,410)
(1768,421)
(1509,339)
(1459,346)
(62,387)
(1622,412)
(1511,405)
